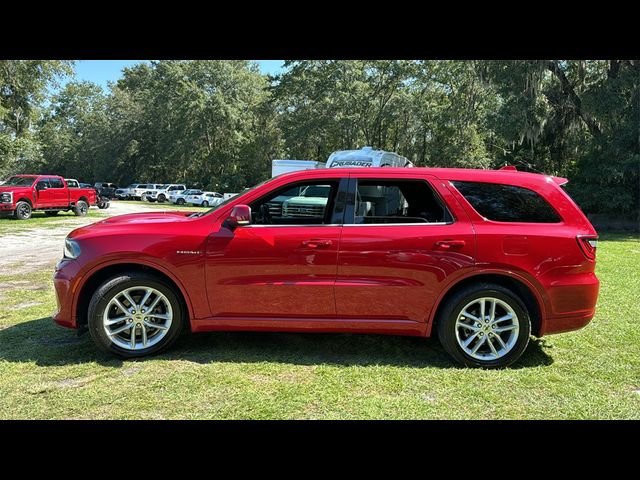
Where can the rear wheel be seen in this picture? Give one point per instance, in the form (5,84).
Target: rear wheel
(161,197)
(484,325)
(134,314)
(205,204)
(180,201)
(23,210)
(81,208)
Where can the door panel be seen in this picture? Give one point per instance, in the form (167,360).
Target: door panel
(273,271)
(44,198)
(396,271)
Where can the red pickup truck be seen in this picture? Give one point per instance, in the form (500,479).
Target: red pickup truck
(20,195)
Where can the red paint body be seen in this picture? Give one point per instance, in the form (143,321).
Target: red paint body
(50,199)
(377,278)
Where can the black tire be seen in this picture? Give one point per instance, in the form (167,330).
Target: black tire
(23,210)
(81,208)
(180,201)
(205,204)
(161,198)
(108,290)
(51,213)
(446,324)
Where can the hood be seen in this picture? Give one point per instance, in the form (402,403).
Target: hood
(307,201)
(145,218)
(7,188)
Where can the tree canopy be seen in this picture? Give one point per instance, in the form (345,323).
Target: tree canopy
(218,124)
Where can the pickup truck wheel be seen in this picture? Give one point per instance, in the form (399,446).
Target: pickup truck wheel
(205,204)
(23,210)
(180,201)
(51,213)
(134,314)
(81,209)
(484,325)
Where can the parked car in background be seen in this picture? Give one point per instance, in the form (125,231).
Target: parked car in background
(163,194)
(22,194)
(135,190)
(179,197)
(205,199)
(151,193)
(480,258)
(121,194)
(105,189)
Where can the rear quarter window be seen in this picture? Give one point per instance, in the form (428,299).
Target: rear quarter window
(507,203)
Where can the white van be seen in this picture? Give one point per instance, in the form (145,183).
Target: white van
(366,157)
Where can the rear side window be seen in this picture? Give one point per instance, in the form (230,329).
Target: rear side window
(507,203)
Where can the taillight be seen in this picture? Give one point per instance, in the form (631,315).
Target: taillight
(588,245)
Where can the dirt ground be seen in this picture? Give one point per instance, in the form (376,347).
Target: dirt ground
(41,247)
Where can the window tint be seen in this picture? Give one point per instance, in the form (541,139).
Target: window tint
(398,201)
(304,204)
(55,183)
(42,184)
(507,203)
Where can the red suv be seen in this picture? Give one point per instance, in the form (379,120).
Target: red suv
(483,258)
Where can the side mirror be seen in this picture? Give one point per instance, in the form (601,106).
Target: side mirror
(240,215)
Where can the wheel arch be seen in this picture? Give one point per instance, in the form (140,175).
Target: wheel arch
(25,199)
(99,274)
(525,291)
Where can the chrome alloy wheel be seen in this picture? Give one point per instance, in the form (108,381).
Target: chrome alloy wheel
(137,318)
(487,328)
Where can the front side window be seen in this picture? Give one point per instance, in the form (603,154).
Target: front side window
(303,204)
(398,201)
(507,203)
(55,183)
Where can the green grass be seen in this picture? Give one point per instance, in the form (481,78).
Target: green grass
(10,225)
(594,373)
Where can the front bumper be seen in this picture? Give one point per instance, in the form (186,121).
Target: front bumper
(64,281)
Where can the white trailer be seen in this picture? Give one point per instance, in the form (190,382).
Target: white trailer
(278,167)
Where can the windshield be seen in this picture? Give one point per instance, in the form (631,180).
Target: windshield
(20,182)
(222,204)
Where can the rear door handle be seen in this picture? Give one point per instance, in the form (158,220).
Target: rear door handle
(317,243)
(446,244)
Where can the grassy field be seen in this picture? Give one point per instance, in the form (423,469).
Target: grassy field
(48,372)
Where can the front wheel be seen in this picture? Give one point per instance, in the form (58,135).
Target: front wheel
(161,198)
(484,325)
(81,209)
(180,201)
(23,210)
(134,314)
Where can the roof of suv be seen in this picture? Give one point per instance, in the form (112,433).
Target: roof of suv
(509,176)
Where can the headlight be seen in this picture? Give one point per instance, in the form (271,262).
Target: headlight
(6,197)
(71,248)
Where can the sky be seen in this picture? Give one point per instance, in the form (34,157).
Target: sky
(103,71)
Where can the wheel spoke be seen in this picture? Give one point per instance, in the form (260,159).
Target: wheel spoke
(505,329)
(493,349)
(121,306)
(126,295)
(479,344)
(482,309)
(473,328)
(508,316)
(121,329)
(156,325)
(132,339)
(146,297)
(468,341)
(500,341)
(468,315)
(162,316)
(492,310)
(154,303)
(143,329)
(113,321)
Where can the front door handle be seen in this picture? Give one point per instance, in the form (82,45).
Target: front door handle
(316,243)
(447,244)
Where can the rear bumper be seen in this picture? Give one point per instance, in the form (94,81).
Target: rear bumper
(573,305)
